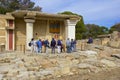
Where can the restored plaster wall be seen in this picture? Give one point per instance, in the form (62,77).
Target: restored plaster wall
(2,31)
(20,32)
(39,29)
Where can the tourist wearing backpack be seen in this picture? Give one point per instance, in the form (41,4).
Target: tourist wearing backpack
(53,44)
(46,44)
(39,46)
(59,46)
(74,42)
(31,44)
(72,45)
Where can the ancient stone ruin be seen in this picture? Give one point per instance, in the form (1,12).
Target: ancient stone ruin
(89,58)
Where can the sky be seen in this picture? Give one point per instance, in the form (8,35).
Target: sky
(100,12)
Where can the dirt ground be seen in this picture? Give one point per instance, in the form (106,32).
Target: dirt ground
(113,74)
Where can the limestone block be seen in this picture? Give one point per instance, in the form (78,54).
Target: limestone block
(20,64)
(64,62)
(32,77)
(23,76)
(57,72)
(114,44)
(21,69)
(84,66)
(94,69)
(69,57)
(74,69)
(75,61)
(108,63)
(91,54)
(77,55)
(54,61)
(1,76)
(33,69)
(29,61)
(103,54)
(46,72)
(5,60)
(46,64)
(65,70)
(12,73)
(116,55)
(28,58)
(27,64)
(4,69)
(93,62)
(38,75)
(13,61)
(84,71)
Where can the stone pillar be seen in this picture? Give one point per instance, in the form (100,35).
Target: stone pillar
(29,31)
(70,28)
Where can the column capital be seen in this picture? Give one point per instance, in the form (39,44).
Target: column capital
(71,21)
(29,20)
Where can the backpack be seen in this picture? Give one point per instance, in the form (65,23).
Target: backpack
(59,42)
(46,43)
(29,44)
(53,43)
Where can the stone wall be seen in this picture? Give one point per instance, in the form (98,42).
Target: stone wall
(63,31)
(2,34)
(20,32)
(40,27)
(115,40)
(101,41)
(2,30)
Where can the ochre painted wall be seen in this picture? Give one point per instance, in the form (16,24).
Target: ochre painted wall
(20,33)
(2,31)
(62,33)
(39,29)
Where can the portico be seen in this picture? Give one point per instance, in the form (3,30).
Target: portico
(38,25)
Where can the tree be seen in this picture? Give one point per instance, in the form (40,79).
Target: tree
(12,5)
(95,30)
(115,27)
(80,27)
(69,13)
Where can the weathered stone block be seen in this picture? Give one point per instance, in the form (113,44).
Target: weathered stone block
(114,44)
(108,63)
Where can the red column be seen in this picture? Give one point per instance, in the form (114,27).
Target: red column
(10,39)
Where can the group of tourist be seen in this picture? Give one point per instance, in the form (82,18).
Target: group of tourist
(41,46)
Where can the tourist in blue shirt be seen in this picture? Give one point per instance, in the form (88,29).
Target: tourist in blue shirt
(39,46)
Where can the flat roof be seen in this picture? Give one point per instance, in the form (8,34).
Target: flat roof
(27,14)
